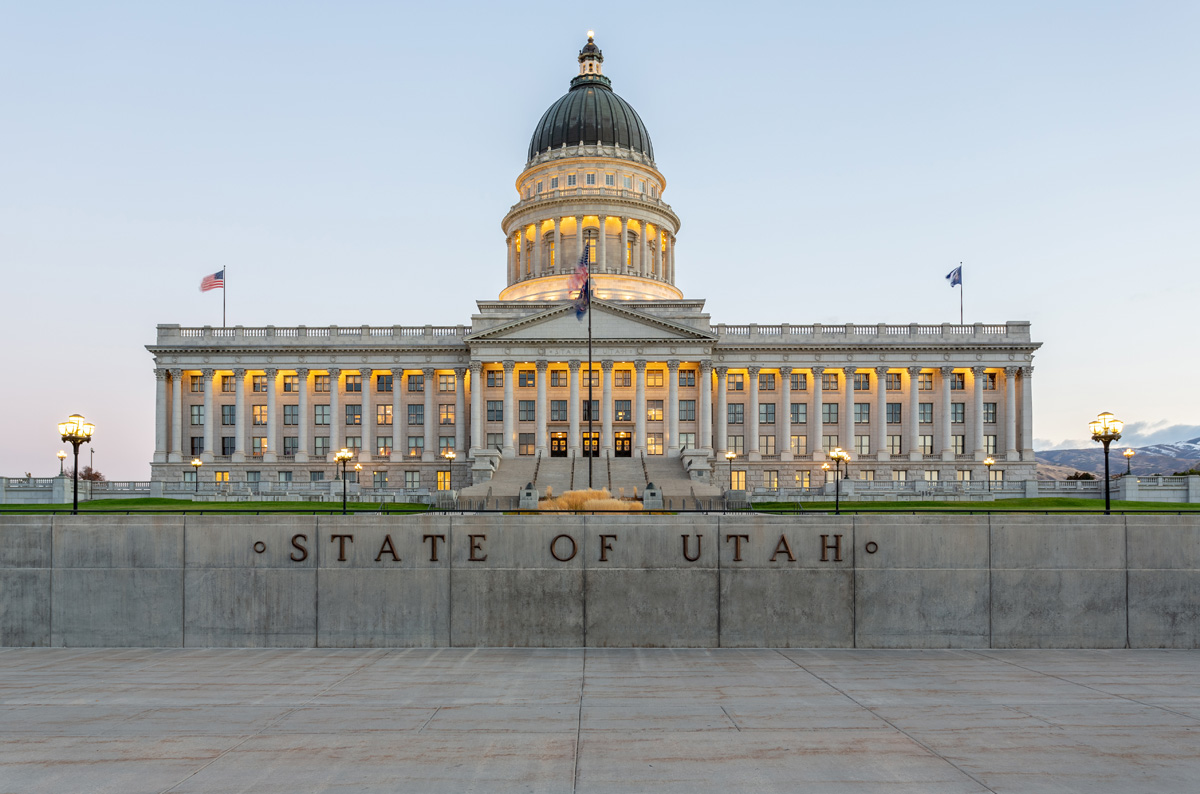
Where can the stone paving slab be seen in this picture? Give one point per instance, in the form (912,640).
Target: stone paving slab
(598,720)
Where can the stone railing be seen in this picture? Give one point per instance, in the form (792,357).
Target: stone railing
(592,192)
(271,335)
(880,333)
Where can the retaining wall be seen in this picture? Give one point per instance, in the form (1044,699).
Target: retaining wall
(680,581)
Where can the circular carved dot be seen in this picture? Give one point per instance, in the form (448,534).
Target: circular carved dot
(260,547)
(871,547)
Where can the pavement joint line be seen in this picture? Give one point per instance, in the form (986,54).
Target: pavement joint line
(370,662)
(579,721)
(431,716)
(893,725)
(1092,688)
(731,719)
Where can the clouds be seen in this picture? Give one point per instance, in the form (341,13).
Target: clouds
(1136,434)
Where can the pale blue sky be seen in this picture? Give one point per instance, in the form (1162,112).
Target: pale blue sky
(830,163)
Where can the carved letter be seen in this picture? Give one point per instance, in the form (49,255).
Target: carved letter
(341,545)
(475,541)
(570,556)
(737,545)
(836,546)
(433,545)
(699,538)
(783,546)
(389,548)
(303,551)
(605,546)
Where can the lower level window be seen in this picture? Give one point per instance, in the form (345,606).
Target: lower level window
(803,478)
(964,475)
(525,444)
(285,476)
(654,444)
(738,479)
(316,476)
(221,476)
(687,440)
(996,475)
(799,445)
(379,479)
(771,480)
(443,481)
(412,480)
(321,445)
(736,444)
(899,475)
(258,445)
(830,442)
(495,440)
(931,476)
(416,446)
(766,445)
(866,474)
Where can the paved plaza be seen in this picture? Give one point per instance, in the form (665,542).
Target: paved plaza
(596,720)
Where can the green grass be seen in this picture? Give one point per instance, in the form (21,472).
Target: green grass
(1040,505)
(187,506)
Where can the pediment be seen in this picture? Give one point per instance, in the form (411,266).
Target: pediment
(609,323)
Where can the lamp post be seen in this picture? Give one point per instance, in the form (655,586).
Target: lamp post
(839,456)
(75,431)
(343,457)
(989,461)
(729,456)
(62,456)
(196,464)
(824,474)
(1106,429)
(1129,453)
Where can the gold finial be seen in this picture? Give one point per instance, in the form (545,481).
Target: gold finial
(591,35)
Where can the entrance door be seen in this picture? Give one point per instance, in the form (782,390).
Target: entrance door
(623,445)
(558,445)
(591,445)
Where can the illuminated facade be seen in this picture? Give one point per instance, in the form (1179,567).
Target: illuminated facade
(508,391)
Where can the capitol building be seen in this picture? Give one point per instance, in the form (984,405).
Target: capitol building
(265,408)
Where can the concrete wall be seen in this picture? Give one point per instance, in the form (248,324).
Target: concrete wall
(886,581)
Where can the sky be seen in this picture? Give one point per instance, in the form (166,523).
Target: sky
(350,163)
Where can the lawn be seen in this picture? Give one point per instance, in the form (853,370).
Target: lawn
(188,506)
(1039,505)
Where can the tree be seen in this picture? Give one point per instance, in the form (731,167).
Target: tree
(87,473)
(1189,473)
(1081,475)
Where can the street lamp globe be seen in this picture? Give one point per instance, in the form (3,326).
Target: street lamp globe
(75,431)
(1106,429)
(1129,453)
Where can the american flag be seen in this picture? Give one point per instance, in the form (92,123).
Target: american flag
(215,281)
(578,282)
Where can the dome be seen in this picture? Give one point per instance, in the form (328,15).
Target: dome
(591,113)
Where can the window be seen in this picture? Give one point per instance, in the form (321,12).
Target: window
(862,413)
(383,383)
(495,378)
(654,410)
(803,478)
(687,410)
(926,444)
(989,381)
(189,476)
(799,413)
(931,476)
(622,377)
(893,381)
(963,475)
(610,180)
(259,413)
(925,413)
(291,445)
(894,445)
(737,480)
(316,476)
(445,443)
(687,377)
(766,381)
(622,412)
(540,186)
(321,446)
(589,179)
(771,480)
(285,476)
(259,383)
(799,381)
(416,446)
(354,415)
(829,381)
(197,414)
(291,383)
(227,445)
(321,384)
(654,377)
(495,410)
(627,182)
(253,476)
(862,445)
(989,445)
(996,475)
(228,415)
(831,442)
(495,440)
(560,377)
(595,378)
(766,413)
(735,444)
(383,414)
(291,415)
(446,383)
(766,445)
(445,414)
(379,479)
(958,381)
(528,192)
(687,440)
(570,180)
(735,381)
(799,445)
(893,413)
(412,479)
(653,190)
(989,413)
(829,413)
(197,382)
(558,411)
(925,381)
(899,475)
(591,410)
(416,383)
(383,445)
(416,414)
(737,413)
(526,411)
(958,413)
(320,414)
(443,477)
(258,445)
(554,183)
(654,443)
(525,444)
(960,444)
(227,383)
(527,378)
(862,381)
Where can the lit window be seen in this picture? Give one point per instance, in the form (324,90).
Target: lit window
(354,383)
(622,411)
(989,444)
(260,414)
(654,410)
(379,478)
(963,475)
(899,475)
(766,445)
(383,414)
(926,444)
(960,444)
(862,445)
(258,445)
(866,474)
(829,381)
(416,446)
(321,383)
(383,445)
(803,478)
(894,447)
(525,444)
(736,444)
(996,475)
(527,378)
(924,381)
(931,476)
(799,445)
(862,381)
(446,383)
(654,443)
(443,477)
(654,377)
(894,381)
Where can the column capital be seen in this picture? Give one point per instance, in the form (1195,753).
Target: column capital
(1010,372)
(176,373)
(1026,372)
(881,371)
(574,365)
(606,365)
(365,373)
(207,373)
(476,367)
(428,372)
(640,364)
(673,364)
(947,372)
(240,373)
(271,372)
(706,365)
(914,371)
(978,371)
(508,365)
(785,372)
(849,370)
(160,373)
(817,371)
(333,372)
(721,371)
(397,373)
(459,374)
(753,371)
(541,365)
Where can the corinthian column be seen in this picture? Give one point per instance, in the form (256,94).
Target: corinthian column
(573,409)
(816,444)
(751,417)
(977,419)
(509,450)
(460,411)
(176,455)
(1010,414)
(431,418)
(606,408)
(847,440)
(239,415)
(673,408)
(160,415)
(722,441)
(1027,413)
(542,410)
(399,442)
(914,425)
(302,434)
(880,422)
(476,405)
(207,455)
(336,418)
(639,405)
(602,254)
(706,419)
(947,444)
(784,444)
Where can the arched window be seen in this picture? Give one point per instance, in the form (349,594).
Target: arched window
(550,249)
(591,239)
(630,245)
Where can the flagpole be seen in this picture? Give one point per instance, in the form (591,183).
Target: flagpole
(588,286)
(961,289)
(224,286)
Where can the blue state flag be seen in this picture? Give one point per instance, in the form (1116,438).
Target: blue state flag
(955,276)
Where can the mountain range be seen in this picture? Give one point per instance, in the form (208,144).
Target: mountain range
(1162,459)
